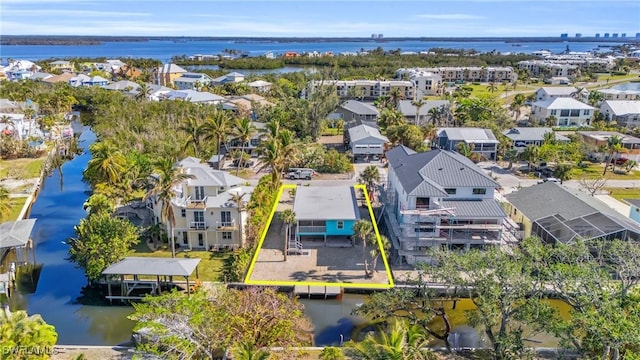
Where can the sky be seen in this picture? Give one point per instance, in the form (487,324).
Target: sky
(311,18)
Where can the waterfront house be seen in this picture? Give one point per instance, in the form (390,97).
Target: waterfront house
(365,142)
(480,141)
(192,81)
(20,70)
(567,111)
(521,137)
(166,74)
(356,113)
(407,109)
(206,217)
(16,235)
(556,213)
(623,112)
(326,212)
(439,198)
(232,77)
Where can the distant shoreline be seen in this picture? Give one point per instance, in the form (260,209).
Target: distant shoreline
(74,40)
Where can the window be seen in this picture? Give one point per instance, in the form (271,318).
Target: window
(185,238)
(340,224)
(199,192)
(564,112)
(479,191)
(183,212)
(225,217)
(575,113)
(422,203)
(553,112)
(200,239)
(587,112)
(450,191)
(227,235)
(198,216)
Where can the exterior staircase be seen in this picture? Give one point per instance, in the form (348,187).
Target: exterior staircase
(295,246)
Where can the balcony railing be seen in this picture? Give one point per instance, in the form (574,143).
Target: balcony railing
(226,225)
(198,225)
(312,229)
(197,203)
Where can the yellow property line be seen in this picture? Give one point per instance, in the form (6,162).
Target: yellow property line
(362,187)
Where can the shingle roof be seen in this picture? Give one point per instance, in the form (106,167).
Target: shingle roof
(408,109)
(359,107)
(361,132)
(531,134)
(326,203)
(15,233)
(481,208)
(622,107)
(432,171)
(153,266)
(469,134)
(562,103)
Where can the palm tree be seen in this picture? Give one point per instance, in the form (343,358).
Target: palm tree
(549,138)
(396,95)
(391,117)
(167,177)
(530,154)
(563,172)
(191,126)
(370,176)
(241,206)
(217,128)
(288,217)
(401,341)
(435,114)
(419,103)
(492,87)
(376,252)
(5,203)
(243,131)
(516,104)
(363,231)
(614,146)
(107,164)
(144,91)
(629,165)
(465,149)
(246,350)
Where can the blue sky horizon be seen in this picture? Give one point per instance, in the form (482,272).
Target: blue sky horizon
(312,18)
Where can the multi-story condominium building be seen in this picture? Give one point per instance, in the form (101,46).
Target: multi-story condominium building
(365,89)
(439,199)
(544,68)
(567,111)
(192,81)
(205,208)
(166,74)
(470,73)
(566,65)
(624,113)
(426,82)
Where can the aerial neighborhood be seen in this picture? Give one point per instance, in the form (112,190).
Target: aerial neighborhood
(339,178)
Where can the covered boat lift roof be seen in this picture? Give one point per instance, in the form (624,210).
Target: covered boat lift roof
(156,266)
(15,233)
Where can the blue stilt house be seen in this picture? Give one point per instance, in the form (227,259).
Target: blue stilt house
(326,212)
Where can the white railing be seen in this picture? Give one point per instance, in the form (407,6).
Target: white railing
(198,225)
(226,224)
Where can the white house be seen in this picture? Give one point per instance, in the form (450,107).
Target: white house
(407,109)
(260,86)
(206,215)
(548,93)
(439,199)
(232,77)
(567,111)
(366,141)
(20,70)
(624,112)
(199,97)
(192,81)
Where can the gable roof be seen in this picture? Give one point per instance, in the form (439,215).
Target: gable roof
(408,109)
(429,173)
(468,134)
(258,83)
(362,132)
(360,108)
(170,69)
(15,233)
(623,107)
(204,175)
(64,77)
(531,134)
(562,103)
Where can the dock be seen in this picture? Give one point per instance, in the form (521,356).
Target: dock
(318,291)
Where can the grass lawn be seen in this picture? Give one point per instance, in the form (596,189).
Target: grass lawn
(21,168)
(331,132)
(210,264)
(623,193)
(594,171)
(16,206)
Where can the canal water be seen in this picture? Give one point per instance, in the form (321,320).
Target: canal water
(59,208)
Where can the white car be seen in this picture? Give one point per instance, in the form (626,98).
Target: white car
(551,179)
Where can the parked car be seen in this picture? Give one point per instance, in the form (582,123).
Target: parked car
(552,179)
(620,161)
(246,163)
(295,174)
